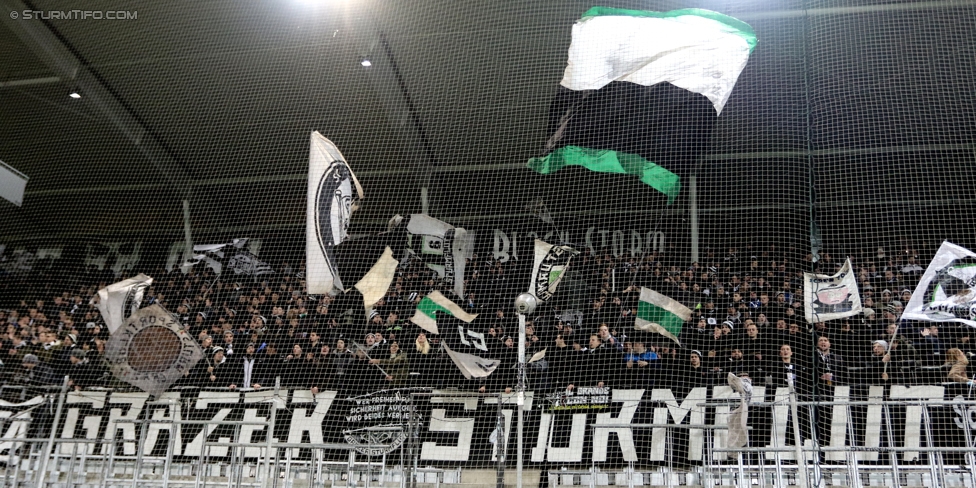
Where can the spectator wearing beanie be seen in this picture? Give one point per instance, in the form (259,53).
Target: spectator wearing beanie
(218,372)
(35,373)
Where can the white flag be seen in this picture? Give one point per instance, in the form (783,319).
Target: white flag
(947,290)
(831,297)
(472,366)
(333,194)
(739,418)
(378,280)
(118,301)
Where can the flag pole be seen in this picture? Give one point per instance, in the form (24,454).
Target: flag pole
(520,400)
(187,236)
(363,350)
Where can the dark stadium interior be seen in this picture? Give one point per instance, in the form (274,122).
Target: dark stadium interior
(851,130)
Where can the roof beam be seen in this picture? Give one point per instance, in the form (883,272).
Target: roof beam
(41,38)
(864,9)
(387,82)
(29,81)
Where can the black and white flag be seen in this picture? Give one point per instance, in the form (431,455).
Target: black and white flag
(151,350)
(442,247)
(229,256)
(463,336)
(831,297)
(472,365)
(116,302)
(248,264)
(947,290)
(333,195)
(369,262)
(551,263)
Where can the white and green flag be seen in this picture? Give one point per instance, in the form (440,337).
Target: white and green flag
(698,50)
(551,263)
(660,314)
(947,290)
(642,91)
(426,315)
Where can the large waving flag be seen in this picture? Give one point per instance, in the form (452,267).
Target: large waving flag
(641,92)
(660,314)
(426,315)
(151,350)
(947,290)
(116,302)
(333,194)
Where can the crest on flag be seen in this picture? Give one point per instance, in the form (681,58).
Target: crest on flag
(151,350)
(333,195)
(248,264)
(947,290)
(550,264)
(831,297)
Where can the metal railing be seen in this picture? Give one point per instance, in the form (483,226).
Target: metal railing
(36,454)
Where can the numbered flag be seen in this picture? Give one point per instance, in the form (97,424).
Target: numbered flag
(442,247)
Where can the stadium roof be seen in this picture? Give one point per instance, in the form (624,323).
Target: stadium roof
(214,101)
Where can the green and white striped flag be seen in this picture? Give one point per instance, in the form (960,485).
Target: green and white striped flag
(426,317)
(660,314)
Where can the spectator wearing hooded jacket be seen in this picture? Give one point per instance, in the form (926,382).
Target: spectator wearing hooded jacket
(82,373)
(219,373)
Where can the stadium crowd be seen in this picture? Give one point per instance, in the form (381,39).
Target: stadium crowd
(747,319)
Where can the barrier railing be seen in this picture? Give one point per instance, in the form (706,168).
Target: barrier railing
(38,450)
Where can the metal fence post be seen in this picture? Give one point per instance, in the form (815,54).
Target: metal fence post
(270,433)
(54,432)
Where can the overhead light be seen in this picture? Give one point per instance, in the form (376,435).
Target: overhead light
(366,63)
(74,94)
